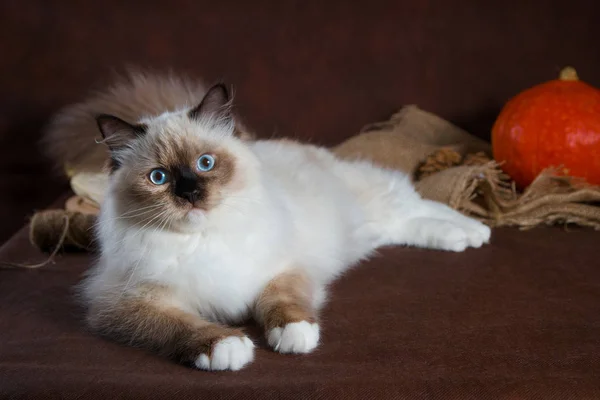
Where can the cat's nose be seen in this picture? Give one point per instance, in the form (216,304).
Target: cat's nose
(190,196)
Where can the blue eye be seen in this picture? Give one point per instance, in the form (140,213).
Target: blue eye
(159,176)
(206,163)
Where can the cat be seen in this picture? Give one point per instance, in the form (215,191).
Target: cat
(203,228)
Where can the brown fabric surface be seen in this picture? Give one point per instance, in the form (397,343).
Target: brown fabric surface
(515,319)
(315,70)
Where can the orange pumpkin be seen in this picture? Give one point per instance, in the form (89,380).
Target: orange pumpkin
(554,124)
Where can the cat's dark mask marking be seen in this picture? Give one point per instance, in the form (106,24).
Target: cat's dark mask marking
(188,185)
(117,133)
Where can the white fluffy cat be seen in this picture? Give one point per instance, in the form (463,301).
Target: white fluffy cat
(201,229)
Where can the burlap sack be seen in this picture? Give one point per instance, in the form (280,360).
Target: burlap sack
(459,174)
(407,139)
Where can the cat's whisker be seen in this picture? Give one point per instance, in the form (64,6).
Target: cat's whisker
(145,221)
(103,224)
(129,216)
(152,206)
(164,224)
(155,218)
(171,220)
(149,221)
(132,214)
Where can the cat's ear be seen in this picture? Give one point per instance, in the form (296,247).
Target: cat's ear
(215,105)
(117,133)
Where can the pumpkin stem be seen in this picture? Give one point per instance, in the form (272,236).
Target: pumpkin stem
(568,74)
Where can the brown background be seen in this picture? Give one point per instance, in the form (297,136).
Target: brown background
(315,70)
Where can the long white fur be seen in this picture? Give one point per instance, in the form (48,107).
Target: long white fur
(294,206)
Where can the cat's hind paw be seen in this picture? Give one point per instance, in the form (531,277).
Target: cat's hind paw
(296,337)
(482,233)
(231,353)
(453,236)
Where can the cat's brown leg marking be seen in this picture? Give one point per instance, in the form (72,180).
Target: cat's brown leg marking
(147,320)
(286,299)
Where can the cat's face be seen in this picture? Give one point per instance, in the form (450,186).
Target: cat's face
(172,171)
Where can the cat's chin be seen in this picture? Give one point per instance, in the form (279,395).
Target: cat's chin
(195,216)
(194,219)
(190,221)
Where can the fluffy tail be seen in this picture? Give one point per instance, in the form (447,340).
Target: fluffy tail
(70,139)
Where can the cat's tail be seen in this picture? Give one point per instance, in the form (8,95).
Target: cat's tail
(70,139)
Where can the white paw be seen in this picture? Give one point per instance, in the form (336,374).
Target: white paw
(231,353)
(296,337)
(458,235)
(482,231)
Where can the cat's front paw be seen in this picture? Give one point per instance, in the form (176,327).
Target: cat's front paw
(295,337)
(231,353)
